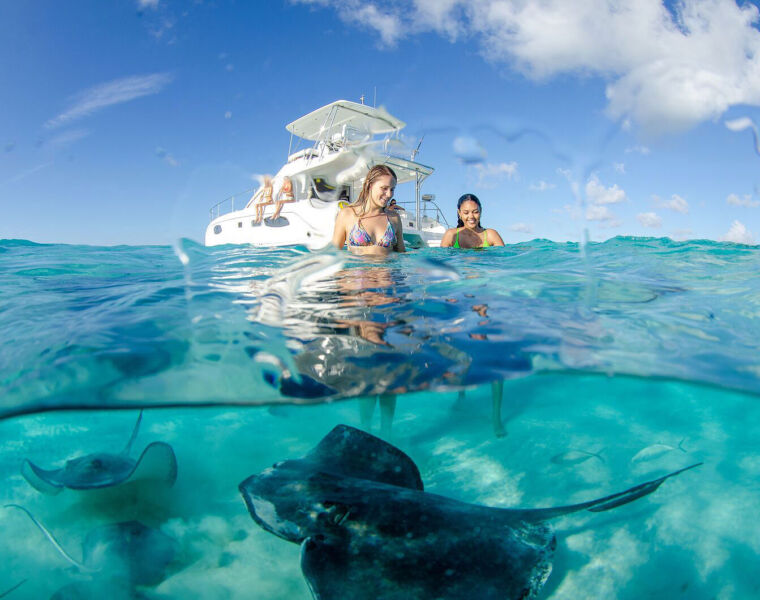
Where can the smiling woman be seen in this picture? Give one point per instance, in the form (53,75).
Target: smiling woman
(366,226)
(468,233)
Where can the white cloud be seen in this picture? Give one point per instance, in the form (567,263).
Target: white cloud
(541,186)
(598,194)
(143,4)
(619,168)
(490,173)
(166,156)
(521,228)
(676,203)
(66,138)
(110,93)
(666,68)
(739,234)
(649,219)
(228,114)
(600,213)
(745,201)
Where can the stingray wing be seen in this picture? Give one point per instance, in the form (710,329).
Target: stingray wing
(600,504)
(42,480)
(157,462)
(350,452)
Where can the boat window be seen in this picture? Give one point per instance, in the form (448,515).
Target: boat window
(240,223)
(217,229)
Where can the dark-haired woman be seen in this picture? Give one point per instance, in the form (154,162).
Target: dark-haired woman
(468,233)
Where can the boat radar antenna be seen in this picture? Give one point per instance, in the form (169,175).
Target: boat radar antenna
(417,149)
(361,98)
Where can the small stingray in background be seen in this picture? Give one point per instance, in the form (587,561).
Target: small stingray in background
(575,457)
(130,552)
(656,451)
(102,469)
(367,528)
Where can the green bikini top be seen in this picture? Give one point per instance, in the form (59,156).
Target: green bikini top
(485,240)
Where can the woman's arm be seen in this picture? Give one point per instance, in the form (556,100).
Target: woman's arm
(448,238)
(339,233)
(494,238)
(398,229)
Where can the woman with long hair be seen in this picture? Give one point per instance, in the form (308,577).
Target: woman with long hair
(367,226)
(469,233)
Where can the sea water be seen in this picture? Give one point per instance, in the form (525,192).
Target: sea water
(620,361)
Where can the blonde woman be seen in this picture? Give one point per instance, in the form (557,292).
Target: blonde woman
(265,199)
(367,226)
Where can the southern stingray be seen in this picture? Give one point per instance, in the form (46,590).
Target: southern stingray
(367,528)
(104,469)
(128,553)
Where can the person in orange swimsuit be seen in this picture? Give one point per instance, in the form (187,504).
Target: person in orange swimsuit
(367,226)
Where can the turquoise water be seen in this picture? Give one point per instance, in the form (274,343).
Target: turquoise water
(642,353)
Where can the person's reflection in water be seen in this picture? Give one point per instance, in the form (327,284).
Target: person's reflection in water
(497,385)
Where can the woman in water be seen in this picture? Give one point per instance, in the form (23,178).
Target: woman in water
(468,233)
(365,226)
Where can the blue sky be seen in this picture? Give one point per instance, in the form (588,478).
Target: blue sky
(123,122)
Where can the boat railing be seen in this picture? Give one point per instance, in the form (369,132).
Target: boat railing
(227,205)
(428,210)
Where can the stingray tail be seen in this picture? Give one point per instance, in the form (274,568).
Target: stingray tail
(128,447)
(50,537)
(15,587)
(606,502)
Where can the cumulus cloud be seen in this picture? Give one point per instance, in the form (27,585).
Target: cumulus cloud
(601,213)
(649,219)
(746,201)
(490,173)
(521,228)
(666,68)
(598,194)
(739,234)
(676,203)
(111,93)
(541,186)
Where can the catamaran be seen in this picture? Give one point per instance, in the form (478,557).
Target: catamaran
(331,150)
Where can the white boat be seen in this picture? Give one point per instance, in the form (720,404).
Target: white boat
(342,140)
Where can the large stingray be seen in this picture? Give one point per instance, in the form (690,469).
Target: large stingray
(128,552)
(368,530)
(103,469)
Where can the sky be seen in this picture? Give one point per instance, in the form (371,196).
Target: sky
(124,122)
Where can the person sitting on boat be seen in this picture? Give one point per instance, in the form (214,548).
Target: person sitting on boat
(265,199)
(283,197)
(392,204)
(468,233)
(367,226)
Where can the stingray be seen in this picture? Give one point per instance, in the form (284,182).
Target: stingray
(367,529)
(103,469)
(128,552)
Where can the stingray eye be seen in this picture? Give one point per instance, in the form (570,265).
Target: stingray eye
(278,464)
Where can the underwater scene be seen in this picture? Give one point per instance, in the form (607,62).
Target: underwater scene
(543,420)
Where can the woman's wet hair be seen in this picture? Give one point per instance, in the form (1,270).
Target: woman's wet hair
(374,174)
(462,199)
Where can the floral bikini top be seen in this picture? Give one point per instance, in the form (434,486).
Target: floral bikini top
(358,236)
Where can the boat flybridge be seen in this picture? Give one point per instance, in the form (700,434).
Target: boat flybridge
(343,141)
